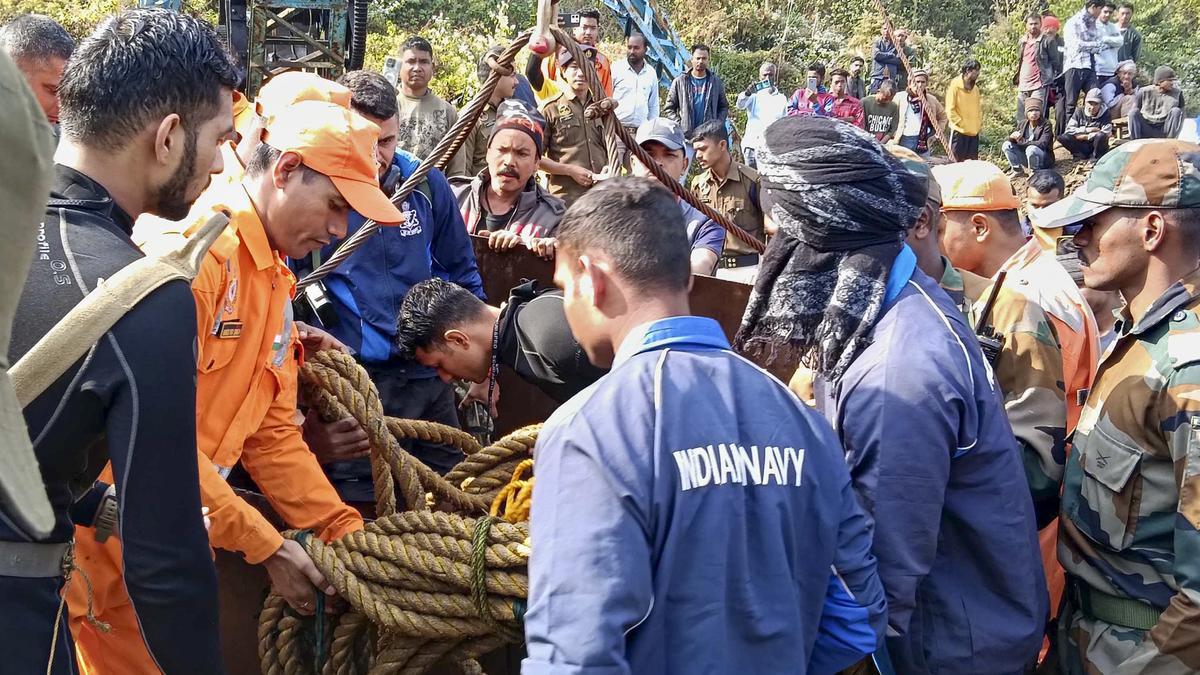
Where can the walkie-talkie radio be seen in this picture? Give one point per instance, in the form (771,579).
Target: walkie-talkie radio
(990,342)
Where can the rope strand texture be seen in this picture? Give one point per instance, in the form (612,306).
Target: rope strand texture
(435,579)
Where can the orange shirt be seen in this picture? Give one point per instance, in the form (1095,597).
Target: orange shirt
(1072,317)
(554,84)
(248,359)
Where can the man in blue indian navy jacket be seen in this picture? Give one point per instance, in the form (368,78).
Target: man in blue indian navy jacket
(690,514)
(367,289)
(902,378)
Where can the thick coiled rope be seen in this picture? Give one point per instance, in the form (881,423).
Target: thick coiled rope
(435,578)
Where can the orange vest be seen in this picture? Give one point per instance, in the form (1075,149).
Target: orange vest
(248,361)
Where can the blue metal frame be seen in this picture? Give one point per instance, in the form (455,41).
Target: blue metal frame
(664,48)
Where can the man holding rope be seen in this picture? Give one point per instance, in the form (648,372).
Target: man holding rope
(316,162)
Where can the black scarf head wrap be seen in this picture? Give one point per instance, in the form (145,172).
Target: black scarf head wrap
(842,204)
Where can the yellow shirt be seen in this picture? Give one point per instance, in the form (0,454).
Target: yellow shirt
(963,108)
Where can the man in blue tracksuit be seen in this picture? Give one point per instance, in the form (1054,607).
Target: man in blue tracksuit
(690,514)
(902,378)
(367,289)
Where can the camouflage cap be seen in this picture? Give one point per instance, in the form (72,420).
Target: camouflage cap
(1162,174)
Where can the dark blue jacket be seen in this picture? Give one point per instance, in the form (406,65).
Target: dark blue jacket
(369,286)
(692,516)
(935,464)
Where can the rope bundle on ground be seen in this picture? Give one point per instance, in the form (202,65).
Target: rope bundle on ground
(435,578)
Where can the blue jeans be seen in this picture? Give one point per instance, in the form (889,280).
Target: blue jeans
(910,142)
(1031,156)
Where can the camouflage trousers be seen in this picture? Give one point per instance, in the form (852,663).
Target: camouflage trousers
(1091,647)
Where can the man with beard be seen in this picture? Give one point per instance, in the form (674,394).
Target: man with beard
(1130,520)
(1119,93)
(697,95)
(856,86)
(424,116)
(901,377)
(504,202)
(145,101)
(316,163)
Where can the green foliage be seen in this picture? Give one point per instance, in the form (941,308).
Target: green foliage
(744,33)
(80,17)
(456,51)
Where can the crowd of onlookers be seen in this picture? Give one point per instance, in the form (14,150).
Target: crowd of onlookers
(904,251)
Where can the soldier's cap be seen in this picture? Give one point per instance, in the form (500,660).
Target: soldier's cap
(292,87)
(564,56)
(340,144)
(661,130)
(975,185)
(916,164)
(514,114)
(1143,174)
(1093,96)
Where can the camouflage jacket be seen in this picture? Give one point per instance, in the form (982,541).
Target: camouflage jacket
(1029,372)
(1131,497)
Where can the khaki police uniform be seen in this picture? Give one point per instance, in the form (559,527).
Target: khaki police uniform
(737,198)
(571,138)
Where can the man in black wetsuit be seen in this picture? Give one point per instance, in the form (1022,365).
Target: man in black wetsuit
(445,327)
(145,101)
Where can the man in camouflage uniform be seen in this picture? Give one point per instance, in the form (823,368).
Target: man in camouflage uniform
(982,232)
(1131,495)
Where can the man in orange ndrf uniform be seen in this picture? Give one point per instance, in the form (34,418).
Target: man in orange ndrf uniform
(315,164)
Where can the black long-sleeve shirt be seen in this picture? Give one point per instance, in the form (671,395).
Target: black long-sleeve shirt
(132,401)
(536,342)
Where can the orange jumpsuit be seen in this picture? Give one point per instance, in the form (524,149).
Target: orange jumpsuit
(246,390)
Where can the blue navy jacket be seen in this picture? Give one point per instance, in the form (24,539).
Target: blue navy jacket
(369,286)
(935,464)
(692,516)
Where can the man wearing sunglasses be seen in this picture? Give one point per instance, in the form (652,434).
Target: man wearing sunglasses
(1130,519)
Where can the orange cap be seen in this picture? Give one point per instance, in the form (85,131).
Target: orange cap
(339,144)
(294,86)
(974,185)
